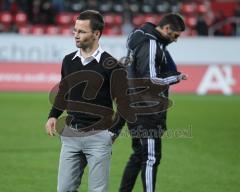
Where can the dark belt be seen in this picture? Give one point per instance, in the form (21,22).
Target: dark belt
(81,129)
(85,132)
(76,126)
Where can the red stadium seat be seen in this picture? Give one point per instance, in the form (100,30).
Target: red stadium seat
(74,17)
(6,18)
(24,30)
(64,19)
(109,19)
(150,18)
(138,20)
(37,30)
(51,30)
(115,30)
(158,17)
(227,7)
(20,19)
(118,19)
(189,32)
(188,8)
(201,8)
(228,30)
(193,33)
(5,21)
(106,30)
(191,21)
(66,31)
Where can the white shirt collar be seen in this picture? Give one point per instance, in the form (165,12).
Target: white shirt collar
(96,55)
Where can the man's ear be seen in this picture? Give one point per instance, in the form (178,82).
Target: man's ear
(97,34)
(166,27)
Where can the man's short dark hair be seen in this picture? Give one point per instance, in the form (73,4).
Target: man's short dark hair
(174,20)
(96,19)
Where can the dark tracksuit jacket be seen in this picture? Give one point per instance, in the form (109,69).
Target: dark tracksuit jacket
(151,60)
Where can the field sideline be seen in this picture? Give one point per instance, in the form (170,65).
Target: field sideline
(201,152)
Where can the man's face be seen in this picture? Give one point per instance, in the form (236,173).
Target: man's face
(170,34)
(84,36)
(173,35)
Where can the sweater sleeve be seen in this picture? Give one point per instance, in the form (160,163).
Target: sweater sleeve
(117,128)
(56,111)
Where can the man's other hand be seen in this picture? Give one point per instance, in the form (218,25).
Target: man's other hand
(51,126)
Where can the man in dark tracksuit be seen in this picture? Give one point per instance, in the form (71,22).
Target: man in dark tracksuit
(150,60)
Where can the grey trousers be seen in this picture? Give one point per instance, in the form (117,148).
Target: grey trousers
(76,153)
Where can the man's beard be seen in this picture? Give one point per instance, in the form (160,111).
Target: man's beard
(168,39)
(82,45)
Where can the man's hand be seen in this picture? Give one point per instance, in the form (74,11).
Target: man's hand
(184,77)
(51,126)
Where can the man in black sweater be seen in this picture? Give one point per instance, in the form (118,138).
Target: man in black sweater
(150,59)
(84,92)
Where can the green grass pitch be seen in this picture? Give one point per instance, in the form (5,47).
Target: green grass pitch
(201,151)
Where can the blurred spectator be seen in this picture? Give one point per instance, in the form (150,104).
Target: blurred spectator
(58,5)
(74,5)
(41,12)
(127,26)
(13,7)
(237,15)
(219,17)
(13,28)
(47,13)
(23,5)
(5,5)
(201,26)
(223,26)
(92,4)
(237,10)
(127,14)
(34,12)
(1,28)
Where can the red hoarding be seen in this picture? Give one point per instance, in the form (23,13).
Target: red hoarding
(28,77)
(202,79)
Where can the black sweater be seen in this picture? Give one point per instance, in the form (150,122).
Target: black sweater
(89,84)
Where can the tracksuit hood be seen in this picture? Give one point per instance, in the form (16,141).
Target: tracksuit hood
(146,32)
